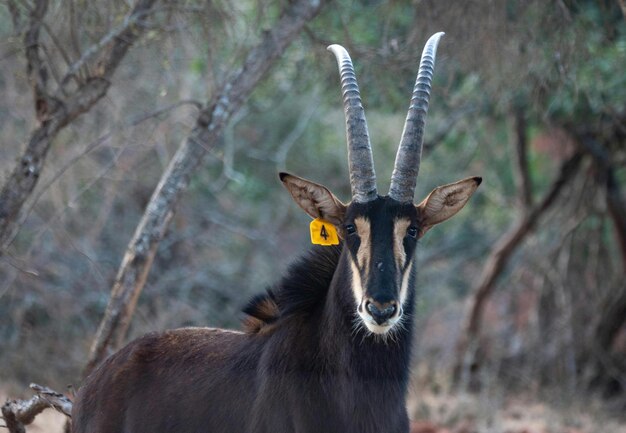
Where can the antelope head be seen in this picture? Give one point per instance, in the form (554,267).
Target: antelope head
(380,233)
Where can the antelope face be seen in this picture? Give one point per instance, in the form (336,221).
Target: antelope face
(381,237)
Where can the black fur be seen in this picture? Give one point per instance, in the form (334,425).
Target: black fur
(302,289)
(302,366)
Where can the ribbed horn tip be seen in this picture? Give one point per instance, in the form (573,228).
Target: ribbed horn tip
(408,158)
(333,47)
(339,51)
(437,36)
(362,174)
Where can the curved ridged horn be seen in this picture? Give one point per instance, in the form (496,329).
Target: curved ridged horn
(404,177)
(362,175)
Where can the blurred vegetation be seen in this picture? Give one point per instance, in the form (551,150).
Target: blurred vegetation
(561,63)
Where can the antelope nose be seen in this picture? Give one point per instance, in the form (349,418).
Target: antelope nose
(380,312)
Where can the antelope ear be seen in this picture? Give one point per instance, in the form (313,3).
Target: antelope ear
(445,201)
(315,199)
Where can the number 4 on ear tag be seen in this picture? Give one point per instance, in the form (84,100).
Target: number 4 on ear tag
(323,233)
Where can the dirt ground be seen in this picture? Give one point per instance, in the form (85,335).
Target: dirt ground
(468,413)
(481,413)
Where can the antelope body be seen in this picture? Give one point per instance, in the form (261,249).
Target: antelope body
(327,349)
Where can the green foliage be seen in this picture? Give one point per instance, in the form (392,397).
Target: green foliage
(594,85)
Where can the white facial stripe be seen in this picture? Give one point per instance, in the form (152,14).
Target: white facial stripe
(363,255)
(400,227)
(357,287)
(399,232)
(404,288)
(362,258)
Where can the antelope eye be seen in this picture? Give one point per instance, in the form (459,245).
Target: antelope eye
(350,229)
(412,231)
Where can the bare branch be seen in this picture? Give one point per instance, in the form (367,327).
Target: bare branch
(228,143)
(55,399)
(72,24)
(54,113)
(520,167)
(281,154)
(118,35)
(35,67)
(209,127)
(15,16)
(19,413)
(155,113)
(57,43)
(89,148)
(50,64)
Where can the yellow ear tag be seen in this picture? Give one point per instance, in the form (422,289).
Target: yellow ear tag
(323,233)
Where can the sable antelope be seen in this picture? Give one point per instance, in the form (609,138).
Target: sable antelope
(327,348)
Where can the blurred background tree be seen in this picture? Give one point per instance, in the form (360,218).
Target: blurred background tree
(521,90)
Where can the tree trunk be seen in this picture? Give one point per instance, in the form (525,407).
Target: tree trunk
(605,366)
(209,126)
(617,211)
(498,259)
